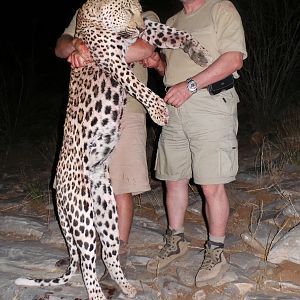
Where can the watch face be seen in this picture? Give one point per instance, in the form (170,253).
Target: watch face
(192,86)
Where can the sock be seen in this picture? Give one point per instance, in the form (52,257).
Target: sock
(216,241)
(177,231)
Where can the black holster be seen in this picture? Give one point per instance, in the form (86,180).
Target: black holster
(221,85)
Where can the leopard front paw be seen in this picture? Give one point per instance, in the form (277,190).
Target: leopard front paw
(197,53)
(158,112)
(130,291)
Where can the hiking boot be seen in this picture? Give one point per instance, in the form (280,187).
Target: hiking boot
(213,267)
(174,247)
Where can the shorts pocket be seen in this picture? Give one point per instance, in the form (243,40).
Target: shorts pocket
(228,152)
(227,102)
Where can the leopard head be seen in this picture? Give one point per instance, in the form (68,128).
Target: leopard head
(121,16)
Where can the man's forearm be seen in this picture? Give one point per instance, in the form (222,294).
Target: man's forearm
(225,65)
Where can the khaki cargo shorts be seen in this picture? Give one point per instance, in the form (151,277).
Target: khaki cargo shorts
(199,141)
(128,163)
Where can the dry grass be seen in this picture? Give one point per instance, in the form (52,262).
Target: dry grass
(288,137)
(281,149)
(274,154)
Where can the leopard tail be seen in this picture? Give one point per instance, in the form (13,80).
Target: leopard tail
(70,271)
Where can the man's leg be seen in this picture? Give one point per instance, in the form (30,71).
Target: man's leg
(217,208)
(175,244)
(177,202)
(217,212)
(125,214)
(125,208)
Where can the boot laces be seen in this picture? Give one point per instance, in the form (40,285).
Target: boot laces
(211,258)
(169,245)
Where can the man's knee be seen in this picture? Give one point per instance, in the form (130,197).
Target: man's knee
(212,191)
(173,185)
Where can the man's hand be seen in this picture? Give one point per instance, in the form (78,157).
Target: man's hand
(81,56)
(154,61)
(178,94)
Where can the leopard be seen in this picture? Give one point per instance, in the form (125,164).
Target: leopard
(85,200)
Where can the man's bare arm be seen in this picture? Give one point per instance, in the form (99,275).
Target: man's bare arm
(225,65)
(78,53)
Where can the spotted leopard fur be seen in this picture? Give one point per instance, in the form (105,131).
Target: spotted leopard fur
(85,199)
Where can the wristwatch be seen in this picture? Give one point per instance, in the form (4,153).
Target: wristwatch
(192,85)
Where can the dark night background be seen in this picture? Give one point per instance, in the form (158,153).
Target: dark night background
(33,81)
(29,68)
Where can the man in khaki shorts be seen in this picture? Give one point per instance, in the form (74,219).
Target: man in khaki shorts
(200,139)
(128,164)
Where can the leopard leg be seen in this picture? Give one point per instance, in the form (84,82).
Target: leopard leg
(73,253)
(117,68)
(106,222)
(84,234)
(163,36)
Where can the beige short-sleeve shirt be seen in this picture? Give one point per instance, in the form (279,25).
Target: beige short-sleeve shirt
(140,72)
(217,26)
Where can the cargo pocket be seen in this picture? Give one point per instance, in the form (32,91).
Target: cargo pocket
(228,158)
(227,102)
